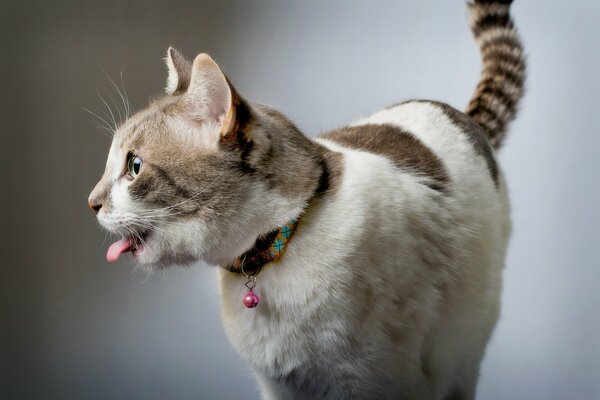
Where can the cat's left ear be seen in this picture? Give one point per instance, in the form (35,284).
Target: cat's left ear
(210,97)
(180,70)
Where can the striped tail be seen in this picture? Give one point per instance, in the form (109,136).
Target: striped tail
(500,87)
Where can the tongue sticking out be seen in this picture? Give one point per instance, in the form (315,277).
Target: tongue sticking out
(117,248)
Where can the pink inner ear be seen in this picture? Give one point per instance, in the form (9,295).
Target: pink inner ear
(208,95)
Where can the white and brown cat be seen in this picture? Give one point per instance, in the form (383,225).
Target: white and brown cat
(375,252)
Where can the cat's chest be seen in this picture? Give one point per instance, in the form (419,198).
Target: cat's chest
(312,338)
(285,332)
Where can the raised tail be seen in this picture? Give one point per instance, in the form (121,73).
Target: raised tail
(501,85)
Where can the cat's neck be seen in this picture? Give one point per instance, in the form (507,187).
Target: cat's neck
(294,165)
(296,170)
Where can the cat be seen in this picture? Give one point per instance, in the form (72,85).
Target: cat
(362,264)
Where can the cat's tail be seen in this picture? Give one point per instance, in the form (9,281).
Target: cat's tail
(501,85)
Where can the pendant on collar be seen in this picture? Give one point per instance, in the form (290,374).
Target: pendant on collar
(263,252)
(251,299)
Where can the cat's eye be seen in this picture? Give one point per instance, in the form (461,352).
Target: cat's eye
(134,165)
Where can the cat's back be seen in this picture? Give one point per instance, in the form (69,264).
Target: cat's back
(431,142)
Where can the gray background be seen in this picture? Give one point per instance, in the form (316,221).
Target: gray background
(74,327)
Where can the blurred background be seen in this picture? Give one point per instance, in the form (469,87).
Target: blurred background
(74,327)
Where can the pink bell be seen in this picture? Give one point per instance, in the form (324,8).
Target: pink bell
(250,299)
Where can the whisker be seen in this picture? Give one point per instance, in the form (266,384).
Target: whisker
(109,110)
(147,277)
(106,129)
(125,105)
(104,241)
(118,107)
(152,227)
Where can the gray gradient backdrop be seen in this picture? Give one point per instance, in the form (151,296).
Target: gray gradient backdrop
(74,327)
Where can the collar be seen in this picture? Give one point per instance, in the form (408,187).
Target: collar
(267,248)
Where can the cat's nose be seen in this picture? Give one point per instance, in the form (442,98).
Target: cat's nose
(94,206)
(98,196)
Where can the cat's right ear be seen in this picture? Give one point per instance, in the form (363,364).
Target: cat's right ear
(180,71)
(210,99)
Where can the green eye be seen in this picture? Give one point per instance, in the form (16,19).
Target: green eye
(134,165)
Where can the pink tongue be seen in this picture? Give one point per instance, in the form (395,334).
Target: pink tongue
(118,248)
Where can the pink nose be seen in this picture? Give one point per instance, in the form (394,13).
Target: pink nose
(94,206)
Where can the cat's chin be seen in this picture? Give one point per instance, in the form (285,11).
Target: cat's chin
(183,245)
(160,251)
(150,259)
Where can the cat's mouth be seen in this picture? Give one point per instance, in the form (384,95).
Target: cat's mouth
(134,244)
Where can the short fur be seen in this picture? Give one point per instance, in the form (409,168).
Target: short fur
(390,286)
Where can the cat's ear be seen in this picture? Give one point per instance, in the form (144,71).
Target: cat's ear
(209,96)
(180,71)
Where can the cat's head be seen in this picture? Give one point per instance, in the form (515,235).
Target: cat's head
(192,176)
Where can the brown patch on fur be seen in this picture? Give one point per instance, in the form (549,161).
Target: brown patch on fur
(331,173)
(400,147)
(293,165)
(475,134)
(237,128)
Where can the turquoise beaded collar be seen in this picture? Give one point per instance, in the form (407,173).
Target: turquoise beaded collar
(267,248)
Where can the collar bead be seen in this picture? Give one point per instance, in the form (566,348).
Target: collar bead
(266,249)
